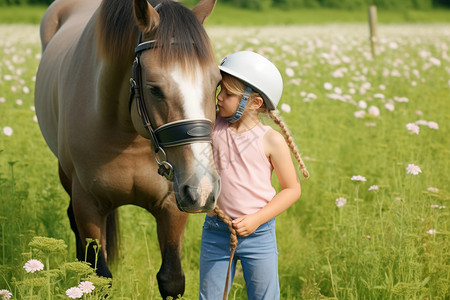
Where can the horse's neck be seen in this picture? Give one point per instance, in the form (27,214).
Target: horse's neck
(113,93)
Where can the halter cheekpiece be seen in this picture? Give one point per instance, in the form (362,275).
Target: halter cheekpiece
(177,133)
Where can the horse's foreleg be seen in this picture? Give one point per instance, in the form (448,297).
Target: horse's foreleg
(91,224)
(171,223)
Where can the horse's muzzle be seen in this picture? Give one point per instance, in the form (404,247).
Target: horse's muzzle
(197,198)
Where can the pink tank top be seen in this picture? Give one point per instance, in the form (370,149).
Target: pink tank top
(244,169)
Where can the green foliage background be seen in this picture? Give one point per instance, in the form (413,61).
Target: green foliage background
(288,4)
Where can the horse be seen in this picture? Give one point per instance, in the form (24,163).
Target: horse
(124,93)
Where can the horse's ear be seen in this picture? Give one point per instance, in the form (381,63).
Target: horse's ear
(146,16)
(203,9)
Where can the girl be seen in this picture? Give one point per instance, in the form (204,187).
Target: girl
(246,152)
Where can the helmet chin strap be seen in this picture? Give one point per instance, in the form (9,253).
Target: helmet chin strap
(240,110)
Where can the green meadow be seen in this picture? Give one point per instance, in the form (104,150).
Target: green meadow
(373,130)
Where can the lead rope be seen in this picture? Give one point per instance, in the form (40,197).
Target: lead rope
(233,245)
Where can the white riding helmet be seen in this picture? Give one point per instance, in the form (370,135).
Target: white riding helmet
(257,72)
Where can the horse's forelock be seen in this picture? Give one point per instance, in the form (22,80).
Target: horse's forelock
(181,38)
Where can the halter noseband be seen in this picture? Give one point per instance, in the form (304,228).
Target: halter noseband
(172,134)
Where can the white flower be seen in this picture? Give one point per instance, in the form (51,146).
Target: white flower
(433,125)
(6,294)
(286,108)
(2,100)
(328,86)
(358,178)
(289,72)
(33,265)
(374,111)
(390,106)
(379,96)
(86,287)
(413,128)
(74,293)
(433,190)
(413,169)
(359,114)
(374,188)
(19,102)
(341,201)
(7,131)
(432,231)
(362,104)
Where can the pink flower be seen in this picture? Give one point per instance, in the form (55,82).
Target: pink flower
(328,86)
(413,169)
(33,265)
(358,178)
(286,108)
(289,72)
(413,128)
(374,188)
(6,294)
(74,293)
(341,201)
(374,111)
(7,131)
(86,287)
(433,125)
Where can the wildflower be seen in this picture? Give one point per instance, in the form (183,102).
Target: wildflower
(286,108)
(74,293)
(432,231)
(289,72)
(26,90)
(7,131)
(413,128)
(362,104)
(359,114)
(328,86)
(33,265)
(413,169)
(358,178)
(341,201)
(421,122)
(389,106)
(374,188)
(379,96)
(435,61)
(433,190)
(434,206)
(6,295)
(19,102)
(419,112)
(2,100)
(86,287)
(433,125)
(374,111)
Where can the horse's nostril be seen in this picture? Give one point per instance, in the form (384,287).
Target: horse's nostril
(189,194)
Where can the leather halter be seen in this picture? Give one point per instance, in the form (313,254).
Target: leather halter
(173,134)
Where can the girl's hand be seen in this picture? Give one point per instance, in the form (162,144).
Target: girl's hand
(246,225)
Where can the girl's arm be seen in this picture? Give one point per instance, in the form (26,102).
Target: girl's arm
(279,156)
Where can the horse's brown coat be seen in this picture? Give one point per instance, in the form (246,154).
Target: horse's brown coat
(82,92)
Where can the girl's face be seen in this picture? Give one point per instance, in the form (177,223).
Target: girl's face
(228,103)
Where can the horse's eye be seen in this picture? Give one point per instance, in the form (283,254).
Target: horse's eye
(156,92)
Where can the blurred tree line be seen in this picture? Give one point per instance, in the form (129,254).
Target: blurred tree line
(290,4)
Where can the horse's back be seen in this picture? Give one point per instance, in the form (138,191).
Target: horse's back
(60,29)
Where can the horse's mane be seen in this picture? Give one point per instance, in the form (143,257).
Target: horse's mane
(118,32)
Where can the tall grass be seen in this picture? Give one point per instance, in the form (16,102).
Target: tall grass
(348,114)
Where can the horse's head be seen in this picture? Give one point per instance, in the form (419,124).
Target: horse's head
(176,78)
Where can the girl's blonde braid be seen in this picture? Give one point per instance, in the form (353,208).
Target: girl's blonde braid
(273,114)
(233,244)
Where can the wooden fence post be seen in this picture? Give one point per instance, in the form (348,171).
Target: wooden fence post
(373,28)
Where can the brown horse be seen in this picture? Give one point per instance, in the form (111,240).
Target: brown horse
(99,128)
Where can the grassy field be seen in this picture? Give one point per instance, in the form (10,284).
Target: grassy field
(229,15)
(382,235)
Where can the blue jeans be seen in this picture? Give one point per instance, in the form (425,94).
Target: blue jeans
(257,252)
